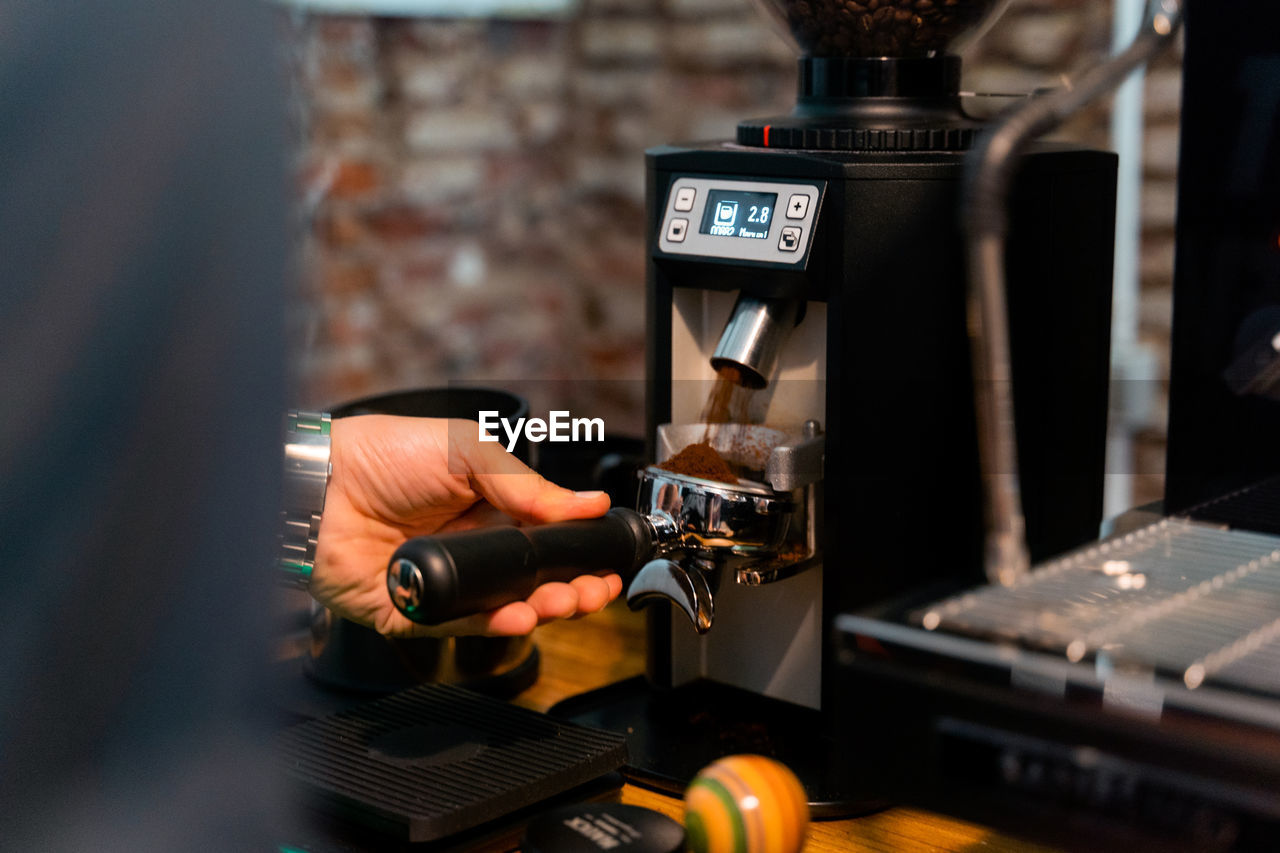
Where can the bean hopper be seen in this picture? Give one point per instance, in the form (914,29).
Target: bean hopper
(819,256)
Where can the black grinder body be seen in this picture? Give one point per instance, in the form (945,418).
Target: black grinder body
(902,499)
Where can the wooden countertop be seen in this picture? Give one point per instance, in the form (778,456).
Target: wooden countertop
(608,647)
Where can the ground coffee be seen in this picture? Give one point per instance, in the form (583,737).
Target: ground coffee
(729,400)
(701,460)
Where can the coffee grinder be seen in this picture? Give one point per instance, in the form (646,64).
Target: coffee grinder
(820,256)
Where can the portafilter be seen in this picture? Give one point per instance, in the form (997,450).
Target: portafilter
(685,533)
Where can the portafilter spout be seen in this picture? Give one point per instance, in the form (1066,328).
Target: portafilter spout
(691,588)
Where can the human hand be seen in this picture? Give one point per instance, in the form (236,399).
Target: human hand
(394,478)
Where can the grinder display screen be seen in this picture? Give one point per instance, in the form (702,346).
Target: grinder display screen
(736,213)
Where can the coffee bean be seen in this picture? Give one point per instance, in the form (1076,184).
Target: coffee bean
(880,27)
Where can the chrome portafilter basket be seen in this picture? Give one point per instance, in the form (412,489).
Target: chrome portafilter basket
(684,537)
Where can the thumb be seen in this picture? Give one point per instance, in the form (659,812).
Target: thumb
(519,491)
(531,497)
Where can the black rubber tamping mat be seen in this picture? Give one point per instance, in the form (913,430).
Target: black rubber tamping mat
(437,760)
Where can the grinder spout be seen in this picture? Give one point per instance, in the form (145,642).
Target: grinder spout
(757,330)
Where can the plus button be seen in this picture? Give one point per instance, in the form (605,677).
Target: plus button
(798,206)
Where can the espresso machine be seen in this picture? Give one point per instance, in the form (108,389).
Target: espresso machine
(817,260)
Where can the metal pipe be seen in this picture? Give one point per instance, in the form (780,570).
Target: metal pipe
(988,177)
(1130,366)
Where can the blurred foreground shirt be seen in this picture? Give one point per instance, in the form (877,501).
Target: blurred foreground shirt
(142,247)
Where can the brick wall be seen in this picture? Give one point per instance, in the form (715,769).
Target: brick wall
(470,194)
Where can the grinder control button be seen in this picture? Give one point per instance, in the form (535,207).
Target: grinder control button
(790,240)
(677,229)
(685,197)
(798,206)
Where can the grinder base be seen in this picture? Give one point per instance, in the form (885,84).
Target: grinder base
(672,734)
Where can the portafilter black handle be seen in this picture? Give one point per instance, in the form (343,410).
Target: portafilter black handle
(434,579)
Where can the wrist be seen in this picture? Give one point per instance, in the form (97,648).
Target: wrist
(306,478)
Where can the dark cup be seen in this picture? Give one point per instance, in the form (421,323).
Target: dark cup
(350,657)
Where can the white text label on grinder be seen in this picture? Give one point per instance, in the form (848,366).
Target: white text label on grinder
(558,427)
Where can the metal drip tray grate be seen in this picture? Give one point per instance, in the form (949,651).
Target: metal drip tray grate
(1181,598)
(437,760)
(1256,508)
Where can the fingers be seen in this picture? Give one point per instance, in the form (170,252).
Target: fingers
(554,601)
(581,596)
(510,620)
(595,592)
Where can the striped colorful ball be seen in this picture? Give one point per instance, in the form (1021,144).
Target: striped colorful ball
(745,804)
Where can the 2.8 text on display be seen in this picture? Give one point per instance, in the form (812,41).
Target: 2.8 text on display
(737,213)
